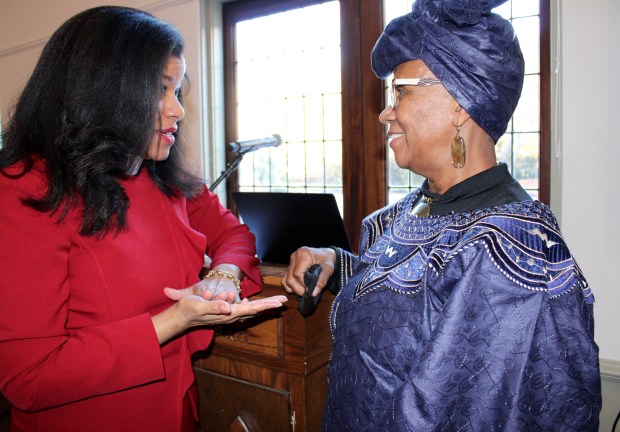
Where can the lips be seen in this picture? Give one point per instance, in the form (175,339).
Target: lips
(167,135)
(394,137)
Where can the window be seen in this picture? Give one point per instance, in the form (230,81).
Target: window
(288,82)
(311,80)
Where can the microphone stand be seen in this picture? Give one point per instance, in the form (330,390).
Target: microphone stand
(229,168)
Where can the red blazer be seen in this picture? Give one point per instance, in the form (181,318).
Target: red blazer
(78,351)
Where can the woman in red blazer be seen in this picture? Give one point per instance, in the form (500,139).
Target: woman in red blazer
(104,233)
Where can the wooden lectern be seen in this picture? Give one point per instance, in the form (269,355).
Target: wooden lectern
(268,373)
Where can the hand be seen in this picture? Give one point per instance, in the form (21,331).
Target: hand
(301,260)
(196,311)
(219,287)
(191,310)
(215,288)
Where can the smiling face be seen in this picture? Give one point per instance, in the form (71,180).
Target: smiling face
(421,128)
(170,111)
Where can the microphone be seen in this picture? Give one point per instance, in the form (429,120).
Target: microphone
(251,145)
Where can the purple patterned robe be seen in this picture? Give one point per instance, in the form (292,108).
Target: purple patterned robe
(471,321)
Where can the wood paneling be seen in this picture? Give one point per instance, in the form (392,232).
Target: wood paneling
(544,170)
(278,360)
(363,138)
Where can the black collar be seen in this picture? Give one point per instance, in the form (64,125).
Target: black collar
(489,188)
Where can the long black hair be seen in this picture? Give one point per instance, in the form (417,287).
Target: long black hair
(89,110)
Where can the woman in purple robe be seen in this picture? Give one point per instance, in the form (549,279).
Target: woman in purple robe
(464,309)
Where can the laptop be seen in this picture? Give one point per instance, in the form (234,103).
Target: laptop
(283,222)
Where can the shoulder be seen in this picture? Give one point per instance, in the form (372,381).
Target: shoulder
(16,183)
(528,222)
(530,225)
(525,222)
(523,241)
(26,225)
(206,203)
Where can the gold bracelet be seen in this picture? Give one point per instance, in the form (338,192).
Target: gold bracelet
(227,275)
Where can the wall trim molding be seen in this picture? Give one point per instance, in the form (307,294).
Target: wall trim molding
(164,4)
(610,370)
(39,43)
(23,47)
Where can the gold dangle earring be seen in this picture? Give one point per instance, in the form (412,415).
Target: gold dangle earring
(458,149)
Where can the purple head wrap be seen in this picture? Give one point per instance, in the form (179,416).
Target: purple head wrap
(472,51)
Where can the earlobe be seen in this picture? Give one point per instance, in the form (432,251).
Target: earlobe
(460,116)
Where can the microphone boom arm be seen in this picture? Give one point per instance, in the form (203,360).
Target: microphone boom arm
(229,170)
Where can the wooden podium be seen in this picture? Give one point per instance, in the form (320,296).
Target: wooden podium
(268,373)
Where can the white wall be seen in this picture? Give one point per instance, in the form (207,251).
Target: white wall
(590,165)
(590,128)
(584,191)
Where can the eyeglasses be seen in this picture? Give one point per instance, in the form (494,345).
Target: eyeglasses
(397,85)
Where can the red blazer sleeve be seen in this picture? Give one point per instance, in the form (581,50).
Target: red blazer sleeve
(42,363)
(228,240)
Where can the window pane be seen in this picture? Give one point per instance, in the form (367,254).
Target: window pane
(313,117)
(296,164)
(333,164)
(332,117)
(517,9)
(524,8)
(527,115)
(277,160)
(315,170)
(261,173)
(526,150)
(503,150)
(395,8)
(397,193)
(290,85)
(398,177)
(528,32)
(294,129)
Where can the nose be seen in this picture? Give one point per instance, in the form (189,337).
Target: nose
(387,115)
(174,108)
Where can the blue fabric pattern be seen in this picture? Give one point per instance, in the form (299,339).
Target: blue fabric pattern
(475,321)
